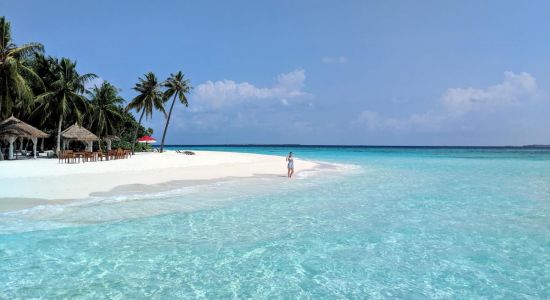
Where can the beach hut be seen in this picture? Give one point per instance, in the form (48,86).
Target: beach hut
(13,128)
(78,133)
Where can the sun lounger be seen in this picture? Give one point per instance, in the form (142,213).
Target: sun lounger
(185,152)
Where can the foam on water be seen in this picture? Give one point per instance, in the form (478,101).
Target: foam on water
(138,202)
(413,223)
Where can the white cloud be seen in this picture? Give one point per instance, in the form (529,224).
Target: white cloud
(514,89)
(456,103)
(227,92)
(335,60)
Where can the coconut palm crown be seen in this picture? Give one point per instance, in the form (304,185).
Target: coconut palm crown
(148,99)
(178,87)
(104,109)
(15,72)
(65,95)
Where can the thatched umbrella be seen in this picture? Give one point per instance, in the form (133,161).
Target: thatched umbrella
(13,128)
(78,133)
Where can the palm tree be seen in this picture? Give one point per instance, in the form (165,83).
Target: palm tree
(15,74)
(177,86)
(149,98)
(65,95)
(104,109)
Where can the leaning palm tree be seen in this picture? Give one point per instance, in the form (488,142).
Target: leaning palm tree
(15,74)
(175,86)
(65,95)
(149,98)
(104,109)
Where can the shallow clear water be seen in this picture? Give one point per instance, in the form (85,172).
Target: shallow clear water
(394,223)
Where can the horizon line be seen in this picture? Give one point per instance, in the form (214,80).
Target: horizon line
(351,145)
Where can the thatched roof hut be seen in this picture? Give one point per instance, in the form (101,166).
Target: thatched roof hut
(15,127)
(76,132)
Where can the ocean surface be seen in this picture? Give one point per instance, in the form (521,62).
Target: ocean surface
(380,223)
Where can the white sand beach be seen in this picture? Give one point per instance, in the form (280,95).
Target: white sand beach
(47,179)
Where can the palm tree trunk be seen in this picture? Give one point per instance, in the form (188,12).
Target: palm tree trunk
(136,132)
(99,142)
(167,122)
(58,148)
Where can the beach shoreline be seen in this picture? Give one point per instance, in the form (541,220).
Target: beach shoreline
(46,181)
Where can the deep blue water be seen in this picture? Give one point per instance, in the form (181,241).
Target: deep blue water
(411,223)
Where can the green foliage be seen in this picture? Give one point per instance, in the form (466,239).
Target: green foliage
(125,130)
(49,93)
(64,95)
(103,113)
(15,72)
(149,97)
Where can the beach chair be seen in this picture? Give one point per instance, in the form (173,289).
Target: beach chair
(120,153)
(100,155)
(111,154)
(89,157)
(67,156)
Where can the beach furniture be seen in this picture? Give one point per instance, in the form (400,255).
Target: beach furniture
(119,154)
(67,156)
(78,156)
(89,156)
(111,154)
(100,155)
(185,152)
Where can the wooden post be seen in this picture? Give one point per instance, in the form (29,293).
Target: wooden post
(11,140)
(34,142)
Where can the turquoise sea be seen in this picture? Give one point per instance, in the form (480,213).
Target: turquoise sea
(382,223)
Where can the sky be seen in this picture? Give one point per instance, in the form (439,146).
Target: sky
(317,72)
